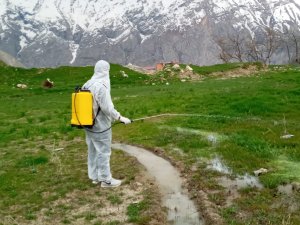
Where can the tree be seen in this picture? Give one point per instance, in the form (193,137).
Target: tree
(262,46)
(232,47)
(291,39)
(241,45)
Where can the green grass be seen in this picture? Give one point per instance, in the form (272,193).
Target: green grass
(250,112)
(114,199)
(2,64)
(206,70)
(138,212)
(247,116)
(134,211)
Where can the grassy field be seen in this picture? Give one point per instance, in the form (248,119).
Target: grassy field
(240,120)
(43,174)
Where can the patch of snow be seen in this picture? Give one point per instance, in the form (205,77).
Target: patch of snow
(251,10)
(28,33)
(23,42)
(90,16)
(73,48)
(144,37)
(250,30)
(121,36)
(3,7)
(26,5)
(48,12)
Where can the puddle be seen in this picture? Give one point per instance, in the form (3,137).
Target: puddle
(181,210)
(285,189)
(240,182)
(217,165)
(288,197)
(233,185)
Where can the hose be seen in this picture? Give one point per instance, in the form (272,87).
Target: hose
(191,115)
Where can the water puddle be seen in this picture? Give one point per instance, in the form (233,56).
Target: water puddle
(217,165)
(285,189)
(232,185)
(240,182)
(181,210)
(288,197)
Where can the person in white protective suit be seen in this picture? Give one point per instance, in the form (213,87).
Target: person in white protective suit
(99,138)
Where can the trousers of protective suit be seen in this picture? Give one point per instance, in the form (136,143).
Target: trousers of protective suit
(99,151)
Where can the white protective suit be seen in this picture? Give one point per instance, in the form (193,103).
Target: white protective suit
(99,144)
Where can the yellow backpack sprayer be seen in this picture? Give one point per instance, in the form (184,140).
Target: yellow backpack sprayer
(82,109)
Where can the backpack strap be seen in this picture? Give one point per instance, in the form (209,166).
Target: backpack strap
(99,109)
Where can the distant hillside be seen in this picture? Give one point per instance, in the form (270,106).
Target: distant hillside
(6,58)
(2,63)
(79,32)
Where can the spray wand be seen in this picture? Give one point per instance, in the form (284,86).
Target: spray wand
(188,115)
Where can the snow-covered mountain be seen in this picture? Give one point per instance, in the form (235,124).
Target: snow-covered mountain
(79,32)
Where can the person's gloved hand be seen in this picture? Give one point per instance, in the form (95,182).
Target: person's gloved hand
(125,120)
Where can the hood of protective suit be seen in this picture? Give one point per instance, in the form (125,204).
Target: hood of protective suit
(101,73)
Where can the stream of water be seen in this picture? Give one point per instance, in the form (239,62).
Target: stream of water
(181,210)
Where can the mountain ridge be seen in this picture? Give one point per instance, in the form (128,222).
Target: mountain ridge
(78,32)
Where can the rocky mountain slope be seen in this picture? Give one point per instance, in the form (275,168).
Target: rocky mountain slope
(9,60)
(62,32)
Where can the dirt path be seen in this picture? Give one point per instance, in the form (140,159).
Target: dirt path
(181,210)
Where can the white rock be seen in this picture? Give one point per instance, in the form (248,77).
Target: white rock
(260,171)
(50,81)
(286,136)
(176,66)
(22,86)
(124,74)
(139,184)
(188,68)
